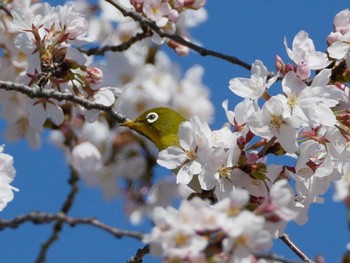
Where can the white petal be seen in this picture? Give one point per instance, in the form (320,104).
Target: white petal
(322,78)
(241,87)
(338,50)
(287,138)
(171,157)
(55,112)
(184,176)
(37,115)
(104,97)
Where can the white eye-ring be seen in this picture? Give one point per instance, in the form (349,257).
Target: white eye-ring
(152,117)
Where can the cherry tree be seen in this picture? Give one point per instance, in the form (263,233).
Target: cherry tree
(77,71)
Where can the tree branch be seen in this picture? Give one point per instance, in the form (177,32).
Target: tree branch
(46,218)
(119,48)
(152,25)
(36,92)
(57,228)
(140,253)
(294,248)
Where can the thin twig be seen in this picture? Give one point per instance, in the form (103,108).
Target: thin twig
(295,249)
(36,92)
(119,48)
(152,25)
(46,218)
(57,228)
(140,253)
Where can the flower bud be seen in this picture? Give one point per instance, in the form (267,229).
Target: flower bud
(279,65)
(95,75)
(289,67)
(179,49)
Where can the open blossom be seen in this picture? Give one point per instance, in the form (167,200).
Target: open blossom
(305,56)
(157,10)
(7,174)
(40,110)
(218,171)
(272,120)
(340,49)
(195,138)
(254,87)
(196,228)
(246,235)
(315,170)
(86,159)
(279,206)
(311,105)
(176,235)
(238,117)
(341,26)
(103,96)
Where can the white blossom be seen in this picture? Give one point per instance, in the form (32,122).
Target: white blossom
(7,174)
(305,56)
(254,87)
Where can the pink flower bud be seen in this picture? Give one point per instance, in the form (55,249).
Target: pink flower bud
(137,4)
(279,64)
(95,75)
(179,49)
(289,67)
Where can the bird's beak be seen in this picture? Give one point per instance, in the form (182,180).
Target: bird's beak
(129,123)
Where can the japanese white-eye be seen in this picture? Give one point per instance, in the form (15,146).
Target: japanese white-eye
(160,125)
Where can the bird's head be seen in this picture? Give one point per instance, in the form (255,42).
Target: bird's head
(160,125)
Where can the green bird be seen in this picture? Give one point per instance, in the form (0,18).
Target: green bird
(161,126)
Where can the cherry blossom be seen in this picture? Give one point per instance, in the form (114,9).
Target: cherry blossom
(305,56)
(7,174)
(272,121)
(254,87)
(311,105)
(195,138)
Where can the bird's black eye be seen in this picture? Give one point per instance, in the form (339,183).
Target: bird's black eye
(152,117)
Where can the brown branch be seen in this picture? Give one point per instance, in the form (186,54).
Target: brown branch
(119,48)
(36,92)
(57,228)
(294,248)
(152,25)
(140,253)
(46,218)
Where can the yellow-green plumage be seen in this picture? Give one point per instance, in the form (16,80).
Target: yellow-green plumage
(160,125)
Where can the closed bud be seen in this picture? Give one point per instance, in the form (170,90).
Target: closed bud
(279,64)
(179,49)
(289,67)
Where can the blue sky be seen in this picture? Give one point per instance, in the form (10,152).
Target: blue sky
(247,29)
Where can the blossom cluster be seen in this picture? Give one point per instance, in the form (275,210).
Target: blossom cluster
(306,119)
(300,113)
(223,232)
(166,14)
(47,53)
